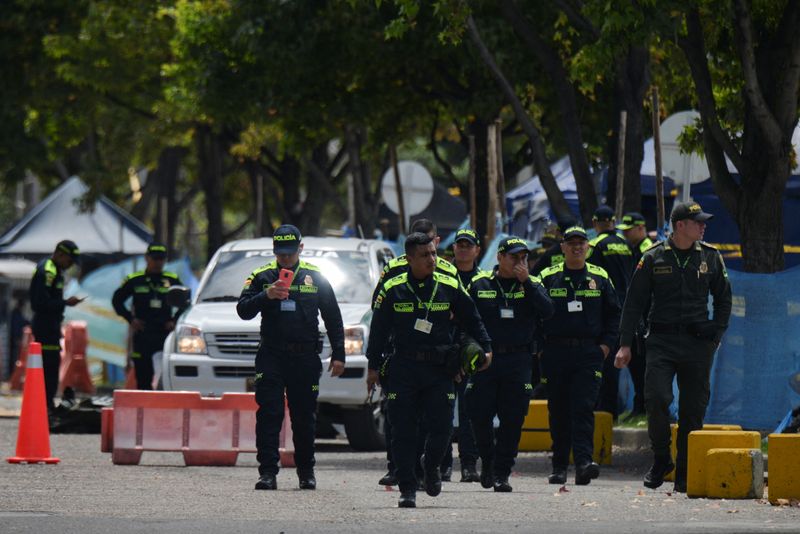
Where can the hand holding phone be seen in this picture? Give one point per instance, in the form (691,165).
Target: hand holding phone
(285,277)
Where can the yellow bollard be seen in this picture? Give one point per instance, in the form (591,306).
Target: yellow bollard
(784,469)
(701,441)
(735,474)
(673,447)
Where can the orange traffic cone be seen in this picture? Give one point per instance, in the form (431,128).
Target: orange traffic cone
(33,438)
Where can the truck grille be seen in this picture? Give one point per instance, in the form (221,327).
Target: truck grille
(234,372)
(245,345)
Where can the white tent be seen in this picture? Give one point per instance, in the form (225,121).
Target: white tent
(107,229)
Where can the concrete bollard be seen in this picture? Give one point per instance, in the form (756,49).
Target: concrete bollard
(735,474)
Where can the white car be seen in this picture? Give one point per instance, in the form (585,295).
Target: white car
(212,350)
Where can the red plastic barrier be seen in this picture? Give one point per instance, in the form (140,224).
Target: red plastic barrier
(107,430)
(207,430)
(74,371)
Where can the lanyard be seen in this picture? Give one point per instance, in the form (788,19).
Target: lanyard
(433,295)
(505,295)
(678,261)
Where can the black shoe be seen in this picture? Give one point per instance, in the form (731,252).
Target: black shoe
(469,474)
(420,482)
(680,484)
(655,476)
(267,482)
(559,476)
(307,480)
(388,480)
(447,475)
(585,473)
(487,474)
(433,482)
(501,485)
(408,499)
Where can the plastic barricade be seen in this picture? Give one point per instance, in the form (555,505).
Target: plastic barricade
(74,370)
(206,430)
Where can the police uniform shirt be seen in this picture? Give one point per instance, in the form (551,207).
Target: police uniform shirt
(550,258)
(403,301)
(293,320)
(598,316)
(149,292)
(676,284)
(47,294)
(465,277)
(510,309)
(638,250)
(611,252)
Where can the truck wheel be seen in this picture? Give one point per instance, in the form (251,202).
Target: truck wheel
(364,427)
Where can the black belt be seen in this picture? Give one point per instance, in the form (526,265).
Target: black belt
(570,341)
(508,349)
(669,328)
(312,346)
(431,356)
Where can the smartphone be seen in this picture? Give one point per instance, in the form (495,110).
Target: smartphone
(285,277)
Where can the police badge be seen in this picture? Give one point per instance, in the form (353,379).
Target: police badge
(703,267)
(592,284)
(308,280)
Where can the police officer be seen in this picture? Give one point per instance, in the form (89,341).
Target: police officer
(395,267)
(674,278)
(47,303)
(466,249)
(634,228)
(510,302)
(578,337)
(611,252)
(288,356)
(151,318)
(415,308)
(551,255)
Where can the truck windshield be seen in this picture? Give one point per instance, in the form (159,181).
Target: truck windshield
(347,271)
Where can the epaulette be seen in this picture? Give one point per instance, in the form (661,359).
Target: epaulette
(271,265)
(133,275)
(553,269)
(308,266)
(534,279)
(446,279)
(170,274)
(596,240)
(481,274)
(594,269)
(708,245)
(444,265)
(399,261)
(401,278)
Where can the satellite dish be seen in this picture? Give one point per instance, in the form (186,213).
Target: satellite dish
(680,167)
(416,183)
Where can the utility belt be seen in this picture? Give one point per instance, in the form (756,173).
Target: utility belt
(499,348)
(436,355)
(306,347)
(570,341)
(703,330)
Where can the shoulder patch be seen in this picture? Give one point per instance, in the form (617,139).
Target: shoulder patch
(133,275)
(308,266)
(593,242)
(270,265)
(481,274)
(170,274)
(594,269)
(534,279)
(708,245)
(446,279)
(445,266)
(395,281)
(399,261)
(552,270)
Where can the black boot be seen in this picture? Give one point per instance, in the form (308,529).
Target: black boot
(501,485)
(559,476)
(662,466)
(307,480)
(408,499)
(469,474)
(388,479)
(447,474)
(267,482)
(585,473)
(433,482)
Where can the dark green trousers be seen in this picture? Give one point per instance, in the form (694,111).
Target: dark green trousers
(688,358)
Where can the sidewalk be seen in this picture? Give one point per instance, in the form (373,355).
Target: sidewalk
(10,401)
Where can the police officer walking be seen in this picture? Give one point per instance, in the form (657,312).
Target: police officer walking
(634,228)
(151,318)
(47,303)
(674,278)
(288,356)
(510,302)
(611,252)
(578,338)
(395,267)
(415,308)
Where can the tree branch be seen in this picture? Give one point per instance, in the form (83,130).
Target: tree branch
(694,49)
(446,167)
(746,45)
(578,20)
(233,233)
(787,36)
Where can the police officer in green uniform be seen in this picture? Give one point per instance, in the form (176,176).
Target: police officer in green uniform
(151,318)
(288,355)
(611,252)
(577,338)
(634,228)
(510,302)
(675,278)
(395,267)
(47,302)
(414,308)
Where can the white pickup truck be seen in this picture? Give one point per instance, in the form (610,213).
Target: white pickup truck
(212,350)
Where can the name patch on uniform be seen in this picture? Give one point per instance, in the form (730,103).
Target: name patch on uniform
(437,306)
(308,289)
(486,294)
(558,292)
(588,293)
(404,307)
(664,269)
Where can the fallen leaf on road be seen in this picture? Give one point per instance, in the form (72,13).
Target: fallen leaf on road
(733,511)
(590,504)
(563,489)
(641,492)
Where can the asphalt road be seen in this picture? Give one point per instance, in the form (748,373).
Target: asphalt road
(86,493)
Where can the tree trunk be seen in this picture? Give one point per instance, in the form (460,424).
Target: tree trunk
(760,221)
(169,165)
(210,156)
(362,183)
(478,129)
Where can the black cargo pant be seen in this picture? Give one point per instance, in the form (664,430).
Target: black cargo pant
(689,358)
(146,343)
(573,376)
(418,389)
(608,399)
(50,338)
(467,450)
(298,375)
(636,367)
(504,390)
